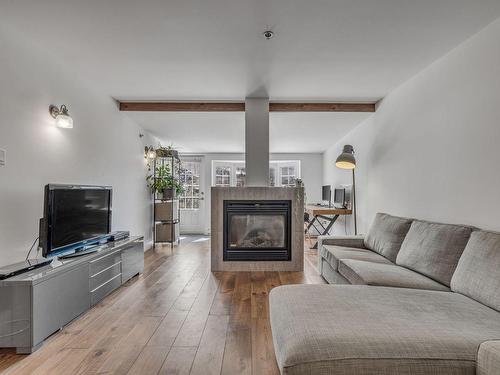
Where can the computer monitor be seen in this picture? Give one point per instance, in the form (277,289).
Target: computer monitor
(339,198)
(327,194)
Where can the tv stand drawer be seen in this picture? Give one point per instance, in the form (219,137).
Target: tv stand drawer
(104,276)
(104,262)
(98,294)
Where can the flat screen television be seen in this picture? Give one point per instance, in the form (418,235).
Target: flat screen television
(75,216)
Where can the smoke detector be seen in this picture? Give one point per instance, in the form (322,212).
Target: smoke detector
(268,34)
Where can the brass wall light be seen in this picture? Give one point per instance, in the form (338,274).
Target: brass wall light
(61,114)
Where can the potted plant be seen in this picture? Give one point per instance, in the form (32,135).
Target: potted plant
(163,184)
(173,189)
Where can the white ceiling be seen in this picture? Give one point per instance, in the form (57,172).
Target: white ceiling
(334,50)
(225,132)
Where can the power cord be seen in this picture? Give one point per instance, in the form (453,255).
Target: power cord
(31,248)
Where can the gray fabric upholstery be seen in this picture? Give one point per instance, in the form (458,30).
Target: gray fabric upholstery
(330,275)
(488,358)
(358,330)
(386,235)
(359,272)
(433,249)
(345,241)
(478,272)
(334,253)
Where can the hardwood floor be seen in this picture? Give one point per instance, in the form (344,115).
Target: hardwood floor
(176,318)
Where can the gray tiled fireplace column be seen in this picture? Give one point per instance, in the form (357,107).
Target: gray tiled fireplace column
(221,194)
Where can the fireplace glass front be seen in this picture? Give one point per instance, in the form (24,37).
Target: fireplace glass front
(257,230)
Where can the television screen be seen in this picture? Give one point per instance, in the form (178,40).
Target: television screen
(74,214)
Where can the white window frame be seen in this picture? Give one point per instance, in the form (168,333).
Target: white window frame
(273,164)
(184,196)
(223,164)
(279,164)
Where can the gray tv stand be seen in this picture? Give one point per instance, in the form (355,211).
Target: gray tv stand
(38,303)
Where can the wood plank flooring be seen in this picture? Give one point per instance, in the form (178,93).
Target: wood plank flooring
(175,318)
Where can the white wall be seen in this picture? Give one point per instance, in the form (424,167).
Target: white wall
(104,147)
(432,150)
(311,173)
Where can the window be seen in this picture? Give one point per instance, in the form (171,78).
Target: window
(282,173)
(223,176)
(190,178)
(228,173)
(288,176)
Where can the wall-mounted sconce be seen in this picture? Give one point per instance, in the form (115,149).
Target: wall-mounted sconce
(63,119)
(149,152)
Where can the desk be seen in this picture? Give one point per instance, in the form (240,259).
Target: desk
(326,213)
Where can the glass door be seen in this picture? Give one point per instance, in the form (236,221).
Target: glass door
(192,200)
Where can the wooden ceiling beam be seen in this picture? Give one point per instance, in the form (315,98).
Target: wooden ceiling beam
(240,107)
(182,106)
(321,107)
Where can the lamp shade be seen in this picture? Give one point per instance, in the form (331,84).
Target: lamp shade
(64,121)
(62,116)
(346,159)
(151,154)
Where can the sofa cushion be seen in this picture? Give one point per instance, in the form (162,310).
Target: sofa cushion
(360,272)
(334,253)
(386,235)
(330,275)
(478,271)
(433,249)
(488,358)
(357,330)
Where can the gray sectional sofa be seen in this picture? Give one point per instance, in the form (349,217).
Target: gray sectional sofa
(425,300)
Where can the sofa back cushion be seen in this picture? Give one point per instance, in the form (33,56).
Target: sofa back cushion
(386,235)
(478,272)
(433,249)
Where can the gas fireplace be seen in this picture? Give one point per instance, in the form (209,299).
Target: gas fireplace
(257,230)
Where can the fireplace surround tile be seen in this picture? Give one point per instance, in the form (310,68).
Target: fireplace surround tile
(221,194)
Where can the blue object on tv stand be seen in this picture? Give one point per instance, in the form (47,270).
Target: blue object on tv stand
(82,248)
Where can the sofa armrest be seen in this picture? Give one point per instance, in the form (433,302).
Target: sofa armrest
(347,241)
(488,358)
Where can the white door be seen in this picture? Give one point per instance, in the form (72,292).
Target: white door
(192,201)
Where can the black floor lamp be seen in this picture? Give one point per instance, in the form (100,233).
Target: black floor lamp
(346,160)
